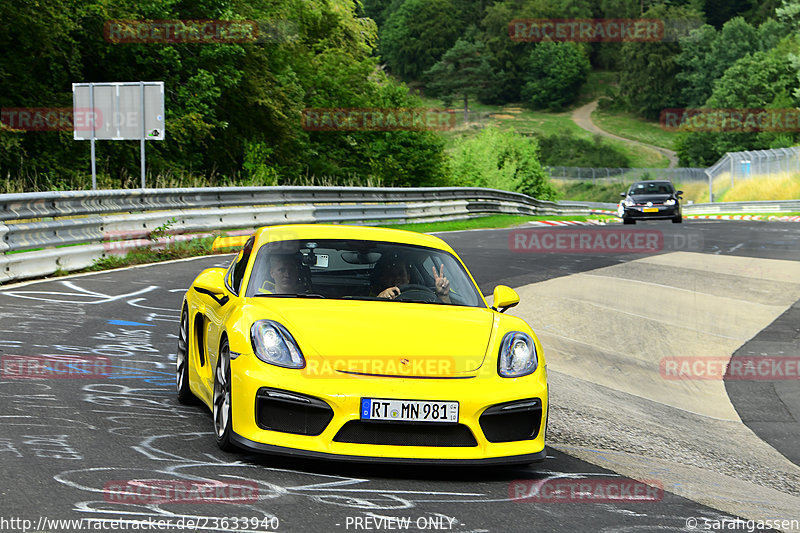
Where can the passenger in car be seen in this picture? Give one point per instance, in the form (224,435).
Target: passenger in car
(392,271)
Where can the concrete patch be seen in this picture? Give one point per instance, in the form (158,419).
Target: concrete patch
(614,325)
(604,333)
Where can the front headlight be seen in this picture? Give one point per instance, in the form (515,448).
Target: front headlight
(273,344)
(627,202)
(671,201)
(517,356)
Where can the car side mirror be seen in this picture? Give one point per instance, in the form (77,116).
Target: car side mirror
(622,195)
(211,282)
(504,297)
(678,193)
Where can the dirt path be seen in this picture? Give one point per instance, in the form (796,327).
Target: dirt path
(583,118)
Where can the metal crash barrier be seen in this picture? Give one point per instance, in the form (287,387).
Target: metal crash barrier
(42,233)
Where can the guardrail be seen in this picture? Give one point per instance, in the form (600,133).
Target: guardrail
(41,233)
(781,206)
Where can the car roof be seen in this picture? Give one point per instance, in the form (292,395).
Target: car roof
(654,182)
(341,231)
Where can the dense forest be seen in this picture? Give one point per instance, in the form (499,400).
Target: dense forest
(234,108)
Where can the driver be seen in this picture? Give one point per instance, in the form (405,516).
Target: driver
(392,271)
(284,270)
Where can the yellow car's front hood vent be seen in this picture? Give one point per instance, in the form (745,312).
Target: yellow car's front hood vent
(384,338)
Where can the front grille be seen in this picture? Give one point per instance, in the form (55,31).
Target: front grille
(290,412)
(406,434)
(512,421)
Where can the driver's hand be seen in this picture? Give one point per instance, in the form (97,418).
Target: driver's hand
(390,293)
(442,283)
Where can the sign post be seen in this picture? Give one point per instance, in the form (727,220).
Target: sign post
(119,111)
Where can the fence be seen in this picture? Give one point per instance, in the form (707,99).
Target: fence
(41,233)
(775,163)
(622,175)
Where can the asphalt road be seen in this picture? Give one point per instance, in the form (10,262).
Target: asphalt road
(66,444)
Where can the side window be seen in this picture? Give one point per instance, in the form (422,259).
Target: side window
(237,271)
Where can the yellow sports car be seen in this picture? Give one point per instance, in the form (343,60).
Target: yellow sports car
(362,344)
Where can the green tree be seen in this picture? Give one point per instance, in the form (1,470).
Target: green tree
(706,54)
(233,108)
(508,58)
(649,69)
(462,71)
(718,12)
(694,60)
(555,74)
(607,55)
(500,160)
(757,81)
(789,13)
(417,34)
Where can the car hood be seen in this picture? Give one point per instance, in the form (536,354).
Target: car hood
(383,338)
(655,198)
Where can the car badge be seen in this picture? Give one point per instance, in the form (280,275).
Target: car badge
(649,204)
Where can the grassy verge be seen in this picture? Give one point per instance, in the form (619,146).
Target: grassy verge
(785,188)
(141,256)
(531,122)
(487,222)
(754,189)
(583,191)
(632,127)
(202,246)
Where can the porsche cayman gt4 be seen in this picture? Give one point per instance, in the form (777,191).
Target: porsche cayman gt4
(361,344)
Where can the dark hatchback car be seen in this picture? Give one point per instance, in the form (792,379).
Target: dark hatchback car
(647,200)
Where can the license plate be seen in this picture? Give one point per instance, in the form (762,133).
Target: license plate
(650,210)
(408,410)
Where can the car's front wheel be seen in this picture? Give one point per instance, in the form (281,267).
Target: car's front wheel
(185,395)
(222,398)
(677,219)
(628,221)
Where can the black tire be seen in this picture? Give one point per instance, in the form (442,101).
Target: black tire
(222,398)
(628,221)
(677,220)
(185,395)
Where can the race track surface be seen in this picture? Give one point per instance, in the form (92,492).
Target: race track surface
(720,457)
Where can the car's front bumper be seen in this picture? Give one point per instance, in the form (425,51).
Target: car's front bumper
(646,213)
(475,393)
(306,454)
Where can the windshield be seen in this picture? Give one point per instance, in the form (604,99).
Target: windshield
(651,187)
(363,270)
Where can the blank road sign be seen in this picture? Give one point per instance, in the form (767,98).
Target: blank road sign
(119,111)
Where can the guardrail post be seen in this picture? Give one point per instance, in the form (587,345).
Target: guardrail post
(3,233)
